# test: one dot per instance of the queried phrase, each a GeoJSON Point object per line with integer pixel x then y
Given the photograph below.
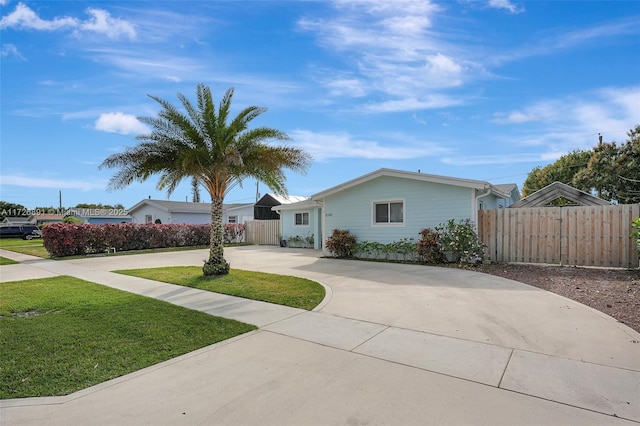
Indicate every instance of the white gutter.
{"type": "Point", "coordinates": [475, 207]}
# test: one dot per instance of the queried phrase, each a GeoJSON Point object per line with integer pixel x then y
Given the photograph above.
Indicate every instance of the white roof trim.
{"type": "Point", "coordinates": [300, 205]}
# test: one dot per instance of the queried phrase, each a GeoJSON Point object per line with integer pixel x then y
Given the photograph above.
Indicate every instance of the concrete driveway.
{"type": "Point", "coordinates": [391, 344]}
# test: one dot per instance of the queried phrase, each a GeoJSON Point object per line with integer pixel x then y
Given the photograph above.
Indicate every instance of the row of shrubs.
{"type": "Point", "coordinates": [448, 242]}
{"type": "Point", "coordinates": [298, 242]}
{"type": "Point", "coordinates": [62, 239]}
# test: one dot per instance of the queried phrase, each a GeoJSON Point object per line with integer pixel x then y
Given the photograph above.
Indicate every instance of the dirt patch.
{"type": "Point", "coordinates": [616, 292]}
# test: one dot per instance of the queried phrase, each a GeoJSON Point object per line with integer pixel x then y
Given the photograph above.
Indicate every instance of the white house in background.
{"type": "Point", "coordinates": [389, 205]}
{"type": "Point", "coordinates": [237, 213]}
{"type": "Point", "coordinates": [18, 220]}
{"type": "Point", "coordinates": [162, 211]}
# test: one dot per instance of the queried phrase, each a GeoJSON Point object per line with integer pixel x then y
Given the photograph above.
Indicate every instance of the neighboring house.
{"type": "Point", "coordinates": [160, 211]}
{"type": "Point", "coordinates": [48, 218]}
{"type": "Point", "coordinates": [98, 219]}
{"type": "Point", "coordinates": [557, 190]}
{"type": "Point", "coordinates": [18, 220]}
{"type": "Point", "coordinates": [264, 207]}
{"type": "Point", "coordinates": [237, 213]}
{"type": "Point", "coordinates": [388, 205]}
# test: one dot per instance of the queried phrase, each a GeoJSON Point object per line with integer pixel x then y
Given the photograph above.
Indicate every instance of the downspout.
{"type": "Point", "coordinates": [475, 204]}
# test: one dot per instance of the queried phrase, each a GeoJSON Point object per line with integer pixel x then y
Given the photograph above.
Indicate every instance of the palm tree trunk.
{"type": "Point", "coordinates": [216, 264]}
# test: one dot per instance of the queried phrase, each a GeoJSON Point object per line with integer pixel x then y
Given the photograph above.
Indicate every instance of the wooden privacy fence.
{"type": "Point", "coordinates": [265, 232]}
{"type": "Point", "coordinates": [580, 236]}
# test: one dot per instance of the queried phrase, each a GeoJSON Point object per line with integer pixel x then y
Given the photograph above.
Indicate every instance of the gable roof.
{"type": "Point", "coordinates": [175, 206]}
{"type": "Point", "coordinates": [17, 220]}
{"type": "Point", "coordinates": [549, 193]}
{"type": "Point", "coordinates": [269, 200]}
{"type": "Point", "coordinates": [424, 177]}
{"type": "Point", "coordinates": [236, 206]}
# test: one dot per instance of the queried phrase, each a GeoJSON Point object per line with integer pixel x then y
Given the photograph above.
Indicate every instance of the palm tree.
{"type": "Point", "coordinates": [206, 146]}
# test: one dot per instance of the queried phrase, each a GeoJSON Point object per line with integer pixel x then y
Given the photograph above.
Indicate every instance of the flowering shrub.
{"type": "Point", "coordinates": [233, 232]}
{"type": "Point", "coordinates": [341, 243]}
{"type": "Point", "coordinates": [61, 239]}
{"type": "Point", "coordinates": [459, 241]}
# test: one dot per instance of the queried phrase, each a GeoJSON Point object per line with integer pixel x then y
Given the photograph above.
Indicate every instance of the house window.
{"type": "Point", "coordinates": [301, 219]}
{"type": "Point", "coordinates": [232, 219]}
{"type": "Point", "coordinates": [148, 218]}
{"type": "Point", "coordinates": [388, 212]}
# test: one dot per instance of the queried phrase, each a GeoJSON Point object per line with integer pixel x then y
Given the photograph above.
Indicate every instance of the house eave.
{"type": "Point", "coordinates": [425, 177]}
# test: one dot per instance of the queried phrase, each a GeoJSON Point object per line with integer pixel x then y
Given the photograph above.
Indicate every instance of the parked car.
{"type": "Point", "coordinates": [26, 232]}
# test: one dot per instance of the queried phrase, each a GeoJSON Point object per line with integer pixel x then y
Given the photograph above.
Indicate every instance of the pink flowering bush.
{"type": "Point", "coordinates": [233, 232]}
{"type": "Point", "coordinates": [62, 239]}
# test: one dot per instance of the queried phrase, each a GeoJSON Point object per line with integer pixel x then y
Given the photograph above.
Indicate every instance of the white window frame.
{"type": "Point", "coordinates": [232, 219]}
{"type": "Point", "coordinates": [388, 202]}
{"type": "Point", "coordinates": [148, 218]}
{"type": "Point", "coordinates": [302, 213]}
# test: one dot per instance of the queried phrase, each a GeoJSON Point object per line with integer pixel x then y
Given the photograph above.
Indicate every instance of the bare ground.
{"type": "Point", "coordinates": [616, 292]}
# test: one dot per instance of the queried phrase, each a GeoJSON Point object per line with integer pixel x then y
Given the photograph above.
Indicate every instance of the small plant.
{"type": "Point", "coordinates": [309, 240]}
{"type": "Point", "coordinates": [459, 242]}
{"type": "Point", "coordinates": [341, 243]}
{"type": "Point", "coordinates": [295, 241]}
{"type": "Point", "coordinates": [428, 247]}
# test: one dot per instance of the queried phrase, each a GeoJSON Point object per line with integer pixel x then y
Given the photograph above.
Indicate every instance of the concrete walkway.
{"type": "Point", "coordinates": [391, 344]}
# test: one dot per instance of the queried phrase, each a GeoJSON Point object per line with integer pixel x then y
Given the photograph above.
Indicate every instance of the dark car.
{"type": "Point", "coordinates": [26, 232]}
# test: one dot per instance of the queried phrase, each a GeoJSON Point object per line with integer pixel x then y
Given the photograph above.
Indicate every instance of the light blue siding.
{"type": "Point", "coordinates": [102, 220]}
{"type": "Point", "coordinates": [289, 229]}
{"type": "Point", "coordinates": [191, 218]}
{"type": "Point", "coordinates": [492, 202]}
{"type": "Point", "coordinates": [426, 205]}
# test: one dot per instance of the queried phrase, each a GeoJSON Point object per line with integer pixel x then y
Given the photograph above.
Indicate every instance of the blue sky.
{"type": "Point", "coordinates": [483, 90]}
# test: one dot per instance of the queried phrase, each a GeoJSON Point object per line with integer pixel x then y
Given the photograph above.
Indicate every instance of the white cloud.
{"type": "Point", "coordinates": [118, 122]}
{"type": "Point", "coordinates": [11, 50]}
{"type": "Point", "coordinates": [413, 104]}
{"type": "Point", "coordinates": [24, 18]}
{"type": "Point", "coordinates": [346, 87]}
{"type": "Point", "coordinates": [607, 108]}
{"type": "Point", "coordinates": [395, 52]}
{"type": "Point", "coordinates": [30, 182]}
{"type": "Point", "coordinates": [558, 126]}
{"type": "Point", "coordinates": [100, 22]}
{"type": "Point", "coordinates": [476, 160]}
{"type": "Point", "coordinates": [324, 146]}
{"type": "Point", "coordinates": [506, 5]}
{"type": "Point", "coordinates": [4, 2]}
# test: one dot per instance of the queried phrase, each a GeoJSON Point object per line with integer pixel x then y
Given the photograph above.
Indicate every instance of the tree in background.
{"type": "Point", "coordinates": [195, 190]}
{"type": "Point", "coordinates": [613, 171]}
{"type": "Point", "coordinates": [609, 170]}
{"type": "Point", "coordinates": [98, 206]}
{"type": "Point", "coordinates": [562, 170]}
{"type": "Point", "coordinates": [12, 210]}
{"type": "Point", "coordinates": [207, 145]}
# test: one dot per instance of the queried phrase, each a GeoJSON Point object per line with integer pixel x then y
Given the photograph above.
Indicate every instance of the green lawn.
{"type": "Point", "coordinates": [281, 289]}
{"type": "Point", "coordinates": [32, 247]}
{"type": "Point", "coordinates": [5, 261]}
{"type": "Point", "coordinates": [62, 334]}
